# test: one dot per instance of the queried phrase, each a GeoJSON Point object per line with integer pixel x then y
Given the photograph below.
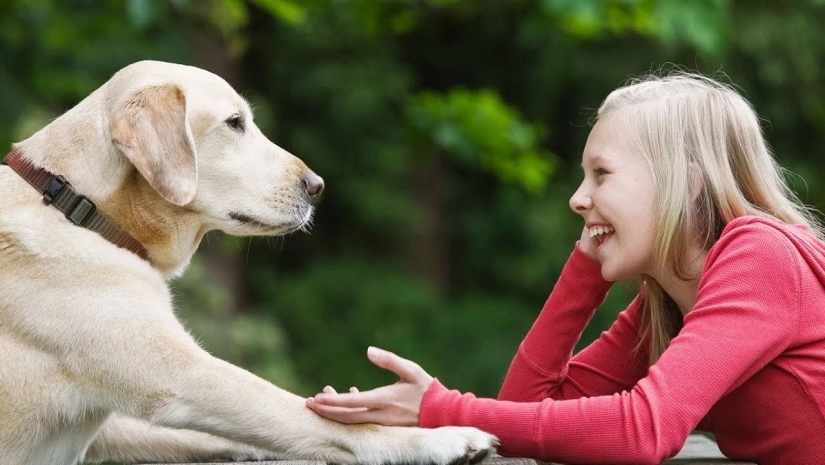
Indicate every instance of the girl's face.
{"type": "Point", "coordinates": [616, 200]}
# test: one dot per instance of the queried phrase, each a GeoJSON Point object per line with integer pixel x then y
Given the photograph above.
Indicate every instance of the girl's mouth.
{"type": "Point", "coordinates": [601, 233]}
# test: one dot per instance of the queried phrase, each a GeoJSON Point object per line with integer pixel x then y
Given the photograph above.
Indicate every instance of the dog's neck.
{"type": "Point", "coordinates": [78, 152]}
{"type": "Point", "coordinates": [171, 234]}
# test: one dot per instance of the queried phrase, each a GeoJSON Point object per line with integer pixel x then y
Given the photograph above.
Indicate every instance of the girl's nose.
{"type": "Point", "coordinates": [580, 202]}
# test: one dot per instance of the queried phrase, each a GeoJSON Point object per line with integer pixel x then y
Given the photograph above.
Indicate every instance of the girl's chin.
{"type": "Point", "coordinates": [608, 277]}
{"type": "Point", "coordinates": [612, 275]}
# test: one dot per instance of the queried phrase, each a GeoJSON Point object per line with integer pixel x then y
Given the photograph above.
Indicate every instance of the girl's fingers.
{"type": "Point", "coordinates": [330, 390]}
{"type": "Point", "coordinates": [342, 414]}
{"type": "Point", "coordinates": [375, 398]}
{"type": "Point", "coordinates": [407, 370]}
{"type": "Point", "coordinates": [346, 400]}
{"type": "Point", "coordinates": [358, 415]}
{"type": "Point", "coordinates": [353, 390]}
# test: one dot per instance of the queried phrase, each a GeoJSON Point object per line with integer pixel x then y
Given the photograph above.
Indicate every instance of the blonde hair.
{"type": "Point", "coordinates": [710, 164]}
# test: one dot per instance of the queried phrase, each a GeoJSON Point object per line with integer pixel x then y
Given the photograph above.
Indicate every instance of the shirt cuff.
{"type": "Point", "coordinates": [435, 406]}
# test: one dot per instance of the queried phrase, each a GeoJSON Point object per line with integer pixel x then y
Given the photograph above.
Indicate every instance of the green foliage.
{"type": "Point", "coordinates": [703, 24]}
{"type": "Point", "coordinates": [328, 305]}
{"type": "Point", "coordinates": [287, 11]}
{"type": "Point", "coordinates": [54, 53]}
{"type": "Point", "coordinates": [479, 128]}
{"type": "Point", "coordinates": [451, 126]}
{"type": "Point", "coordinates": [253, 340]}
{"type": "Point", "coordinates": [591, 18]}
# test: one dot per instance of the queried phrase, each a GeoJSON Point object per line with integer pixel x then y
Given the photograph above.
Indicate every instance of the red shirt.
{"type": "Point", "coordinates": [748, 365]}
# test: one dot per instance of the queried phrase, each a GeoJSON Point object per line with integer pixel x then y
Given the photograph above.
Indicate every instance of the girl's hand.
{"type": "Point", "coordinates": [394, 405]}
{"type": "Point", "coordinates": [587, 244]}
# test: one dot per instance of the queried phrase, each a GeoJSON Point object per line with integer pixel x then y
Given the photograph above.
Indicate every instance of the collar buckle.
{"type": "Point", "coordinates": [53, 188]}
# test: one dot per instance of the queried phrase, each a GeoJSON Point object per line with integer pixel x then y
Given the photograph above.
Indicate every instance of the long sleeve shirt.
{"type": "Point", "coordinates": [748, 364]}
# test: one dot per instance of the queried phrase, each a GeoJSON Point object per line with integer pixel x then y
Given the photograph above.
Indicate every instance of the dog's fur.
{"type": "Point", "coordinates": [93, 363]}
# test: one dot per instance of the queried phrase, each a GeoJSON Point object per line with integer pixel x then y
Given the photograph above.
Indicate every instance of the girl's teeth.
{"type": "Point", "coordinates": [598, 231]}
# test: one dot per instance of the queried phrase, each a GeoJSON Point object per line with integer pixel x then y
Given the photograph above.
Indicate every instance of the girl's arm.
{"type": "Point", "coordinates": [542, 368]}
{"type": "Point", "coordinates": [746, 314]}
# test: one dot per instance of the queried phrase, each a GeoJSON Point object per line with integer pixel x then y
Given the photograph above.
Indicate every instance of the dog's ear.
{"type": "Point", "coordinates": [151, 129]}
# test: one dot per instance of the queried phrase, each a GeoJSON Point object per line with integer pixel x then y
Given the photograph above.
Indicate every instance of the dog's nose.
{"type": "Point", "coordinates": [313, 183]}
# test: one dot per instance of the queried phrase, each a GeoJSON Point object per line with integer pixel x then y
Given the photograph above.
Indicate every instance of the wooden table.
{"type": "Point", "coordinates": [698, 450]}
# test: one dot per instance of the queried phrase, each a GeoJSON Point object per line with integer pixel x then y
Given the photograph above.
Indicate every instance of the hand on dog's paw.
{"type": "Point", "coordinates": [461, 445]}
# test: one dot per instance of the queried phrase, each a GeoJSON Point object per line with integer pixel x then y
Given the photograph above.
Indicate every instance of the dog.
{"type": "Point", "coordinates": [98, 210]}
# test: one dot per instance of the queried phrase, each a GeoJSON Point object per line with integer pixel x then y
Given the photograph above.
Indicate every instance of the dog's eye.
{"type": "Point", "coordinates": [235, 122]}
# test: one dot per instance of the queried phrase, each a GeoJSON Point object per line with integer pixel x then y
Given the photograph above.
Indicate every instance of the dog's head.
{"type": "Point", "coordinates": [193, 139]}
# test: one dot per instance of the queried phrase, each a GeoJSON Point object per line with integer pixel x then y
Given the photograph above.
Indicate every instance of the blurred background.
{"type": "Point", "coordinates": [449, 133]}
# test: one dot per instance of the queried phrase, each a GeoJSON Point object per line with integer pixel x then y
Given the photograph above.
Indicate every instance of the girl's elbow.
{"type": "Point", "coordinates": [656, 453]}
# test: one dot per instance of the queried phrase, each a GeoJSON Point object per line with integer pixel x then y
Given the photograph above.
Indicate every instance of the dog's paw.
{"type": "Point", "coordinates": [454, 445]}
{"type": "Point", "coordinates": [396, 445]}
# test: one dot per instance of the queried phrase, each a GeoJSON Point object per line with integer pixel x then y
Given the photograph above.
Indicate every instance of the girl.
{"type": "Point", "coordinates": [727, 333]}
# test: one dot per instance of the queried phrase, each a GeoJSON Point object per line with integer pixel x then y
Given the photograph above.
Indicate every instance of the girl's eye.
{"type": "Point", "coordinates": [599, 171]}
{"type": "Point", "coordinates": [235, 122]}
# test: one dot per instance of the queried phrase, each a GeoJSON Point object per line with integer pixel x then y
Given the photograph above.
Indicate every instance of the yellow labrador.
{"type": "Point", "coordinates": [93, 363]}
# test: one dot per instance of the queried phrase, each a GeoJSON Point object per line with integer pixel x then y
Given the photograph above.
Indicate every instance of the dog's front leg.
{"type": "Point", "coordinates": [206, 394]}
{"type": "Point", "coordinates": [130, 440]}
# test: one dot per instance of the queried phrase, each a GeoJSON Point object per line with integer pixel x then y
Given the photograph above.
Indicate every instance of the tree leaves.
{"type": "Point", "coordinates": [367, 93]}
{"type": "Point", "coordinates": [478, 129]}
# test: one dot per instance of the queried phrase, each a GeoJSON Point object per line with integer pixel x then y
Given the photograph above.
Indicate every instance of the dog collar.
{"type": "Point", "coordinates": [77, 207]}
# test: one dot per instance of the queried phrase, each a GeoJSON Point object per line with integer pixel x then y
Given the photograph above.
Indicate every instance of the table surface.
{"type": "Point", "coordinates": [698, 450]}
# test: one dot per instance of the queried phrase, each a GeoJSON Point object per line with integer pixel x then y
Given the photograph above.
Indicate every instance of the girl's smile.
{"type": "Point", "coordinates": [600, 233]}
